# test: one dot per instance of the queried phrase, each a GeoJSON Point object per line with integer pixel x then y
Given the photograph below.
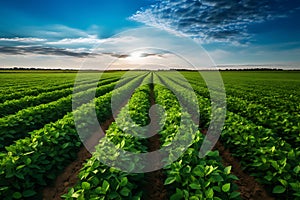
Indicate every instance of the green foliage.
{"type": "Point", "coordinates": [191, 177]}
{"type": "Point", "coordinates": [100, 181]}
{"type": "Point", "coordinates": [34, 161]}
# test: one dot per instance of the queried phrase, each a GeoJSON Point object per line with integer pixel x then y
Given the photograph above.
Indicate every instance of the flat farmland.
{"type": "Point", "coordinates": [46, 140]}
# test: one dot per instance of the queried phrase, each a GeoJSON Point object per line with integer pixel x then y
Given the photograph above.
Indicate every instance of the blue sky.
{"type": "Point", "coordinates": [63, 33]}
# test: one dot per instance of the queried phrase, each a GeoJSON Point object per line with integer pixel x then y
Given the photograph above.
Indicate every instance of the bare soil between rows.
{"type": "Point", "coordinates": [249, 188]}
{"type": "Point", "coordinates": [69, 177]}
{"type": "Point", "coordinates": [154, 181]}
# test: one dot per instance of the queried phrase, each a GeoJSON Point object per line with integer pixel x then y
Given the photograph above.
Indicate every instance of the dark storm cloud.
{"type": "Point", "coordinates": [17, 50]}
{"type": "Point", "coordinates": [214, 20]}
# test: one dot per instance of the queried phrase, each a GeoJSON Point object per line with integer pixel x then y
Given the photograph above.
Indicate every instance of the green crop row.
{"type": "Point", "coordinates": [12, 106]}
{"type": "Point", "coordinates": [271, 160]}
{"type": "Point", "coordinates": [272, 94]}
{"type": "Point", "coordinates": [262, 154]}
{"type": "Point", "coordinates": [13, 127]}
{"type": "Point", "coordinates": [49, 86]}
{"type": "Point", "coordinates": [33, 162]}
{"type": "Point", "coordinates": [191, 177]}
{"type": "Point", "coordinates": [283, 124]}
{"type": "Point", "coordinates": [28, 88]}
{"type": "Point", "coordinates": [32, 92]}
{"type": "Point", "coordinates": [98, 181]}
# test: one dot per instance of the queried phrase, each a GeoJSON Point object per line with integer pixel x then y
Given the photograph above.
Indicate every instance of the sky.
{"type": "Point", "coordinates": [96, 33]}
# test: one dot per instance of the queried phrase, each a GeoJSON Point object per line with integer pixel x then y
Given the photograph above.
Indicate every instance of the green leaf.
{"type": "Point", "coordinates": [169, 180]}
{"type": "Point", "coordinates": [99, 190]}
{"type": "Point", "coordinates": [20, 167]}
{"type": "Point", "coordinates": [75, 195]}
{"type": "Point", "coordinates": [295, 186]}
{"type": "Point", "coordinates": [113, 195]}
{"type": "Point", "coordinates": [213, 153]}
{"type": "Point", "coordinates": [28, 161]}
{"type": "Point", "coordinates": [178, 195]}
{"type": "Point", "coordinates": [227, 170]}
{"type": "Point", "coordinates": [17, 195]}
{"type": "Point", "coordinates": [4, 188]}
{"type": "Point", "coordinates": [226, 187]}
{"type": "Point", "coordinates": [125, 191]}
{"type": "Point", "coordinates": [105, 185]}
{"type": "Point", "coordinates": [124, 181]}
{"type": "Point", "coordinates": [20, 176]}
{"type": "Point", "coordinates": [283, 182]}
{"type": "Point", "coordinates": [65, 145]}
{"type": "Point", "coordinates": [85, 185]}
{"type": "Point", "coordinates": [269, 177]}
{"type": "Point", "coordinates": [209, 193]}
{"type": "Point", "coordinates": [231, 176]}
{"type": "Point", "coordinates": [217, 188]}
{"type": "Point", "coordinates": [198, 171]}
{"type": "Point", "coordinates": [297, 169]}
{"type": "Point", "coordinates": [278, 189]}
{"type": "Point", "coordinates": [234, 195]}
{"type": "Point", "coordinates": [29, 193]}
{"type": "Point", "coordinates": [195, 186]}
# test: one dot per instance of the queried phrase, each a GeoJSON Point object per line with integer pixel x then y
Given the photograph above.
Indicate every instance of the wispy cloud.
{"type": "Point", "coordinates": [22, 50]}
{"type": "Point", "coordinates": [90, 40]}
{"type": "Point", "coordinates": [20, 39]}
{"type": "Point", "coordinates": [54, 32]}
{"type": "Point", "coordinates": [116, 55]}
{"type": "Point", "coordinates": [151, 54]}
{"type": "Point", "coordinates": [212, 20]}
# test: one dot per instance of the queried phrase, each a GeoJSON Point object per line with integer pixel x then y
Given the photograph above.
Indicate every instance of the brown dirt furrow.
{"type": "Point", "coordinates": [69, 177]}
{"type": "Point", "coordinates": [249, 188]}
{"type": "Point", "coordinates": [154, 181]}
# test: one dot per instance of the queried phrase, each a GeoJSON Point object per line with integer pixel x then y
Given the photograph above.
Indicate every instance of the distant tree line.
{"type": "Point", "coordinates": [172, 69]}
{"type": "Point", "coordinates": [252, 69]}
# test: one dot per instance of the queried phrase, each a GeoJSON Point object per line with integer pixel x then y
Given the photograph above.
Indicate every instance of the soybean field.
{"type": "Point", "coordinates": [43, 156]}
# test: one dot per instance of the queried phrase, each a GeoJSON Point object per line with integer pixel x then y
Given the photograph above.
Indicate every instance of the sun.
{"type": "Point", "coordinates": [136, 55]}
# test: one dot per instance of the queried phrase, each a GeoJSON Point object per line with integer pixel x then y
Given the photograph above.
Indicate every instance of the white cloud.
{"type": "Point", "coordinates": [156, 47]}
{"type": "Point", "coordinates": [210, 21]}
{"type": "Point", "coordinates": [56, 31]}
{"type": "Point", "coordinates": [20, 39]}
{"type": "Point", "coordinates": [76, 41]}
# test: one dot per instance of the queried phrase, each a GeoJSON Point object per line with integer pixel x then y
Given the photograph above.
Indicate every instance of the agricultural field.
{"type": "Point", "coordinates": [42, 156]}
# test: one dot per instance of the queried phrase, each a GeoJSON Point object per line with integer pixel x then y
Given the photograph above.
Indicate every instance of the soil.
{"type": "Point", "coordinates": [69, 177]}
{"type": "Point", "coordinates": [249, 188]}
{"type": "Point", "coordinates": [154, 181]}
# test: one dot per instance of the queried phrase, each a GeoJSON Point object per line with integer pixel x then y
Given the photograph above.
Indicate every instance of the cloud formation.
{"type": "Point", "coordinates": [22, 50]}
{"type": "Point", "coordinates": [116, 55]}
{"type": "Point", "coordinates": [24, 39]}
{"type": "Point", "coordinates": [213, 20]}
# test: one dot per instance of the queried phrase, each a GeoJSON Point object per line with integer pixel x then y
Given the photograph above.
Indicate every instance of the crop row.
{"type": "Point", "coordinates": [261, 153]}
{"type": "Point", "coordinates": [281, 96]}
{"type": "Point", "coordinates": [35, 91]}
{"type": "Point", "coordinates": [51, 86]}
{"type": "Point", "coordinates": [192, 177]}
{"type": "Point", "coordinates": [99, 181]}
{"type": "Point", "coordinates": [13, 127]}
{"type": "Point", "coordinates": [31, 163]}
{"type": "Point", "coordinates": [283, 124]}
{"type": "Point", "coordinates": [267, 98]}
{"type": "Point", "coordinates": [18, 125]}
{"type": "Point", "coordinates": [12, 106]}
